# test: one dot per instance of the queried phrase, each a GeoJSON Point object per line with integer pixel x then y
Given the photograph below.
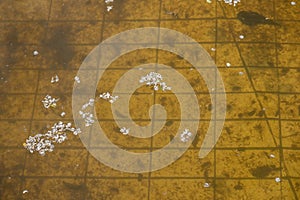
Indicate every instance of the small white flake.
{"type": "Point", "coordinates": [206, 185]}
{"type": "Point", "coordinates": [228, 64]}
{"type": "Point", "coordinates": [76, 78]}
{"type": "Point", "coordinates": [185, 135]}
{"type": "Point", "coordinates": [213, 49]}
{"type": "Point", "coordinates": [155, 79]}
{"type": "Point", "coordinates": [25, 191]}
{"type": "Point", "coordinates": [277, 179]}
{"type": "Point", "coordinates": [124, 130]}
{"type": "Point", "coordinates": [54, 79]}
{"type": "Point", "coordinates": [241, 73]}
{"type": "Point", "coordinates": [293, 3]}
{"type": "Point", "coordinates": [108, 8]}
{"type": "Point", "coordinates": [241, 37]}
{"type": "Point", "coordinates": [35, 53]}
{"type": "Point", "coordinates": [109, 1]}
{"type": "Point", "coordinates": [272, 156]}
{"type": "Point", "coordinates": [62, 114]}
{"type": "Point", "coordinates": [232, 2]}
{"type": "Point", "coordinates": [208, 1]}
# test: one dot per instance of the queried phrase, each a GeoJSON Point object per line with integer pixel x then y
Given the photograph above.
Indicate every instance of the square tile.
{"type": "Point", "coordinates": [290, 134]}
{"type": "Point", "coordinates": [247, 164]}
{"type": "Point", "coordinates": [16, 106]}
{"type": "Point", "coordinates": [54, 188]}
{"type": "Point", "coordinates": [242, 106]}
{"type": "Point", "coordinates": [285, 11]}
{"type": "Point", "coordinates": [288, 55]}
{"type": "Point", "coordinates": [179, 189]}
{"type": "Point", "coordinates": [13, 133]}
{"type": "Point", "coordinates": [235, 80]}
{"type": "Point", "coordinates": [290, 106]}
{"type": "Point", "coordinates": [66, 84]}
{"type": "Point", "coordinates": [11, 187]}
{"type": "Point", "coordinates": [199, 30]}
{"type": "Point", "coordinates": [117, 188]}
{"type": "Point", "coordinates": [19, 81]}
{"type": "Point", "coordinates": [291, 160]}
{"type": "Point", "coordinates": [74, 32]}
{"type": "Point", "coordinates": [134, 10]}
{"type": "Point", "coordinates": [111, 132]}
{"type": "Point", "coordinates": [112, 28]}
{"type": "Point", "coordinates": [173, 60]}
{"type": "Point", "coordinates": [265, 8]}
{"type": "Point", "coordinates": [13, 162]}
{"type": "Point", "coordinates": [287, 191]}
{"type": "Point", "coordinates": [100, 170]}
{"type": "Point", "coordinates": [249, 134]}
{"type": "Point", "coordinates": [228, 53]}
{"type": "Point", "coordinates": [258, 54]}
{"type": "Point", "coordinates": [60, 162]}
{"type": "Point", "coordinates": [259, 34]}
{"type": "Point", "coordinates": [264, 79]}
{"type": "Point", "coordinates": [22, 10]}
{"type": "Point", "coordinates": [75, 10]}
{"type": "Point", "coordinates": [288, 80]}
{"type": "Point", "coordinates": [16, 33]}
{"type": "Point", "coordinates": [64, 104]}
{"type": "Point", "coordinates": [255, 189]}
{"type": "Point", "coordinates": [270, 105]}
{"type": "Point", "coordinates": [288, 32]}
{"type": "Point", "coordinates": [188, 165]}
{"type": "Point", "coordinates": [187, 10]}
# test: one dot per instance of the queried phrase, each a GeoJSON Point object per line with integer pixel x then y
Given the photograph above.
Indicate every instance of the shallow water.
{"type": "Point", "coordinates": [260, 139]}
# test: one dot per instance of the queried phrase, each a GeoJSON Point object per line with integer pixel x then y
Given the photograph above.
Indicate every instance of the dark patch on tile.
{"type": "Point", "coordinates": [239, 186]}
{"type": "Point", "coordinates": [169, 122]}
{"type": "Point", "coordinates": [262, 171]}
{"type": "Point", "coordinates": [56, 49]}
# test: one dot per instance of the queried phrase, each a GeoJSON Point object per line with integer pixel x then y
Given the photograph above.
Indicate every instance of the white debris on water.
{"type": "Point", "coordinates": [155, 79]}
{"type": "Point", "coordinates": [185, 135]}
{"type": "Point", "coordinates": [125, 130]}
{"type": "Point", "coordinates": [107, 96]}
{"type": "Point", "coordinates": [232, 2]}
{"type": "Point", "coordinates": [87, 116]}
{"type": "Point", "coordinates": [35, 53]}
{"type": "Point", "coordinates": [43, 143]}
{"type": "Point", "coordinates": [49, 101]}
{"type": "Point", "coordinates": [54, 79]}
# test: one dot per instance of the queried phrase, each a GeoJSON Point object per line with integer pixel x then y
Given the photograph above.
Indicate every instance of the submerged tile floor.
{"type": "Point", "coordinates": [260, 140]}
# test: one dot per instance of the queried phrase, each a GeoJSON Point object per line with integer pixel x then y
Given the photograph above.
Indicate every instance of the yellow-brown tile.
{"type": "Point", "coordinates": [75, 32]}
{"type": "Point", "coordinates": [11, 187]}
{"type": "Point", "coordinates": [187, 10]}
{"type": "Point", "coordinates": [249, 134]}
{"type": "Point", "coordinates": [288, 55]}
{"type": "Point", "coordinates": [270, 105]}
{"type": "Point", "coordinates": [55, 188]}
{"type": "Point", "coordinates": [188, 165]}
{"type": "Point", "coordinates": [16, 106]}
{"type": "Point", "coordinates": [117, 189]}
{"type": "Point", "coordinates": [227, 53]}
{"type": "Point", "coordinates": [15, 33]}
{"type": "Point", "coordinates": [241, 163]}
{"type": "Point", "coordinates": [60, 162]}
{"type": "Point", "coordinates": [264, 79]}
{"type": "Point", "coordinates": [289, 106]}
{"type": "Point", "coordinates": [180, 189]}
{"type": "Point", "coordinates": [291, 163]}
{"type": "Point", "coordinates": [253, 189]}
{"type": "Point", "coordinates": [19, 81]}
{"type": "Point", "coordinates": [289, 134]}
{"type": "Point", "coordinates": [285, 11]}
{"type": "Point", "coordinates": [199, 30]}
{"type": "Point", "coordinates": [289, 79]}
{"type": "Point", "coordinates": [22, 10]}
{"type": "Point", "coordinates": [134, 10]}
{"type": "Point", "coordinates": [287, 190]}
{"type": "Point", "coordinates": [76, 10]}
{"type": "Point", "coordinates": [13, 133]}
{"type": "Point", "coordinates": [12, 162]}
{"type": "Point", "coordinates": [288, 32]}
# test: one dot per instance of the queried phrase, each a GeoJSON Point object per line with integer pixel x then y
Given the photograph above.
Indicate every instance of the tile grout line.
{"type": "Point", "coordinates": [33, 110]}
{"type": "Point", "coordinates": [281, 154]}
